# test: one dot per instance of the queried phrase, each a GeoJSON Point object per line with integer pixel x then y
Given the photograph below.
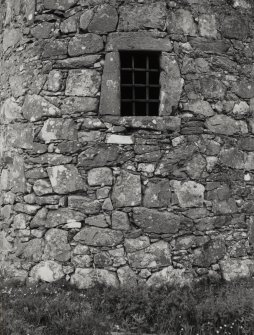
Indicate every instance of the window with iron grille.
{"type": "Point", "coordinates": [140, 83]}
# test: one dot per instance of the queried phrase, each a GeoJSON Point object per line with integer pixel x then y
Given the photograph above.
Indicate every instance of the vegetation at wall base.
{"type": "Point", "coordinates": [53, 309]}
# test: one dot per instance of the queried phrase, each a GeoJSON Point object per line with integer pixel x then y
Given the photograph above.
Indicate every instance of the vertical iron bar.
{"type": "Point", "coordinates": [133, 87]}
{"type": "Point", "coordinates": [147, 85]}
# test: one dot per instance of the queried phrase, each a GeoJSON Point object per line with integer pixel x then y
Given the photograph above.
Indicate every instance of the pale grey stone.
{"type": "Point", "coordinates": [223, 124]}
{"type": "Point", "coordinates": [85, 44]}
{"type": "Point", "coordinates": [69, 25]}
{"type": "Point", "coordinates": [200, 107]}
{"type": "Point", "coordinates": [63, 216]}
{"type": "Point", "coordinates": [136, 244]}
{"type": "Point", "coordinates": [236, 268]}
{"type": "Point", "coordinates": [107, 205]}
{"type": "Point", "coordinates": [127, 190]}
{"type": "Point", "coordinates": [42, 187]}
{"type": "Point", "coordinates": [48, 271]}
{"type": "Point", "coordinates": [11, 37]}
{"type": "Point", "coordinates": [120, 221]}
{"type": "Point", "coordinates": [84, 82]}
{"type": "Point", "coordinates": [85, 19]}
{"type": "Point", "coordinates": [81, 261]}
{"type": "Point", "coordinates": [84, 204]}
{"type": "Point", "coordinates": [42, 30]}
{"type": "Point", "coordinates": [100, 177]}
{"type": "Point", "coordinates": [127, 277]}
{"type": "Point", "coordinates": [99, 237]}
{"type": "Point", "coordinates": [33, 250]}
{"type": "Point", "coordinates": [104, 20]}
{"type": "Point", "coordinates": [87, 278]}
{"type": "Point", "coordinates": [119, 139]}
{"type": "Point", "coordinates": [77, 62]}
{"type": "Point", "coordinates": [56, 245]}
{"type": "Point", "coordinates": [207, 25]}
{"type": "Point", "coordinates": [181, 22]}
{"type": "Point", "coordinates": [65, 179]}
{"type": "Point", "coordinates": [9, 111]}
{"type": "Point", "coordinates": [59, 4]}
{"type": "Point", "coordinates": [170, 276]}
{"type": "Point", "coordinates": [58, 129]}
{"type": "Point", "coordinates": [189, 193]}
{"type": "Point", "coordinates": [97, 221]}
{"type": "Point", "coordinates": [157, 194]}
{"type": "Point", "coordinates": [55, 80]}
{"type": "Point", "coordinates": [20, 221]}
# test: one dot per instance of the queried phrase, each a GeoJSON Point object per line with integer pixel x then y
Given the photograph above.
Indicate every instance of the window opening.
{"type": "Point", "coordinates": [140, 83]}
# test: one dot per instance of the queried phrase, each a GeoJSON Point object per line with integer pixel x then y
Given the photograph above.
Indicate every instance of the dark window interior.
{"type": "Point", "coordinates": [140, 83]}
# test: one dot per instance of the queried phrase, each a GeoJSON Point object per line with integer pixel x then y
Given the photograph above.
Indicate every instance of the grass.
{"type": "Point", "coordinates": [53, 309]}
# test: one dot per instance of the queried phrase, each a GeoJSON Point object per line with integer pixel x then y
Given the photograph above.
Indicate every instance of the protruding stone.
{"type": "Point", "coordinates": [119, 139]}
{"type": "Point", "coordinates": [189, 193]}
{"type": "Point", "coordinates": [65, 179]}
{"type": "Point", "coordinates": [87, 278]}
{"type": "Point", "coordinates": [127, 190]}
{"type": "Point", "coordinates": [236, 268]}
{"type": "Point", "coordinates": [235, 27]}
{"type": "Point", "coordinates": [100, 177]}
{"type": "Point", "coordinates": [55, 80]}
{"type": "Point", "coordinates": [181, 22]}
{"type": "Point", "coordinates": [35, 107]}
{"type": "Point", "coordinates": [85, 44]}
{"type": "Point", "coordinates": [207, 26]}
{"type": "Point", "coordinates": [83, 83]}
{"type": "Point", "coordinates": [153, 221]}
{"type": "Point", "coordinates": [48, 271]}
{"type": "Point", "coordinates": [104, 20]}
{"type": "Point", "coordinates": [9, 111]}
{"type": "Point", "coordinates": [170, 276]}
{"type": "Point", "coordinates": [58, 129]}
{"type": "Point", "coordinates": [99, 237]}
{"type": "Point", "coordinates": [42, 187]}
{"type": "Point", "coordinates": [57, 247]}
{"type": "Point", "coordinates": [223, 124]}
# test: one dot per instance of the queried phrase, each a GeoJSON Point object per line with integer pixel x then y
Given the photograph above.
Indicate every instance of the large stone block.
{"type": "Point", "coordinates": [48, 271]}
{"type": "Point", "coordinates": [56, 245]}
{"type": "Point", "coordinates": [62, 5]}
{"type": "Point", "coordinates": [104, 20]}
{"type": "Point", "coordinates": [155, 256]}
{"type": "Point", "coordinates": [127, 190]}
{"type": "Point", "coordinates": [235, 27]}
{"type": "Point", "coordinates": [87, 278]}
{"type": "Point", "coordinates": [140, 16]}
{"type": "Point", "coordinates": [42, 187]}
{"type": "Point", "coordinates": [223, 124]}
{"type": "Point", "coordinates": [98, 156]}
{"type": "Point", "coordinates": [11, 37]}
{"type": "Point", "coordinates": [211, 253]}
{"type": "Point", "coordinates": [210, 46]}
{"type": "Point", "coordinates": [189, 193]}
{"type": "Point", "coordinates": [62, 216]}
{"type": "Point", "coordinates": [85, 44]}
{"type": "Point", "coordinates": [181, 22]}
{"type": "Point", "coordinates": [9, 111]}
{"type": "Point", "coordinates": [84, 204]}
{"type": "Point", "coordinates": [100, 177]}
{"type": "Point", "coordinates": [170, 276]}
{"type": "Point", "coordinates": [35, 107]}
{"type": "Point", "coordinates": [157, 193]}
{"type": "Point", "coordinates": [83, 83]}
{"type": "Point", "coordinates": [55, 48]}
{"type": "Point", "coordinates": [212, 88]}
{"type": "Point", "coordinates": [58, 129]}
{"type": "Point", "coordinates": [207, 25]}
{"type": "Point", "coordinates": [65, 179]}
{"type": "Point", "coordinates": [244, 89]}
{"type": "Point", "coordinates": [33, 250]}
{"type": "Point", "coordinates": [153, 221]}
{"type": "Point", "coordinates": [99, 237]}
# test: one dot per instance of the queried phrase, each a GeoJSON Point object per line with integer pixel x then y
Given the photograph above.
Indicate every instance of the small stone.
{"type": "Point", "coordinates": [102, 193]}
{"type": "Point", "coordinates": [81, 261]}
{"type": "Point", "coordinates": [20, 221]}
{"type": "Point", "coordinates": [127, 190]}
{"type": "Point", "coordinates": [65, 179]}
{"type": "Point", "coordinates": [136, 244]}
{"type": "Point", "coordinates": [55, 80]}
{"type": "Point", "coordinates": [107, 205]}
{"type": "Point", "coordinates": [48, 271]}
{"type": "Point", "coordinates": [207, 25]}
{"type": "Point", "coordinates": [201, 107]}
{"type": "Point", "coordinates": [100, 177]}
{"type": "Point", "coordinates": [84, 204]}
{"type": "Point", "coordinates": [56, 245]}
{"type": "Point", "coordinates": [181, 22]}
{"type": "Point", "coordinates": [62, 5]}
{"type": "Point", "coordinates": [9, 111]}
{"type": "Point", "coordinates": [84, 82]}
{"type": "Point", "coordinates": [54, 49]}
{"type": "Point", "coordinates": [62, 216]}
{"type": "Point", "coordinates": [127, 277]}
{"type": "Point", "coordinates": [170, 276]}
{"type": "Point", "coordinates": [69, 25]}
{"type": "Point", "coordinates": [43, 30]}
{"type": "Point", "coordinates": [42, 187]}
{"type": "Point", "coordinates": [244, 89]}
{"type": "Point", "coordinates": [85, 19]}
{"type": "Point", "coordinates": [94, 236]}
{"type": "Point", "coordinates": [33, 250]}
{"type": "Point", "coordinates": [87, 278]}
{"type": "Point", "coordinates": [73, 225]}
{"type": "Point", "coordinates": [120, 221]}
{"type": "Point", "coordinates": [11, 37]}
{"type": "Point", "coordinates": [223, 124]}
{"type": "Point", "coordinates": [189, 194]}
{"type": "Point", "coordinates": [241, 109]}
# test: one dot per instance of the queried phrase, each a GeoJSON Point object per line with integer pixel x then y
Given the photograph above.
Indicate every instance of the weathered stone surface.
{"type": "Point", "coordinates": [83, 83]}
{"type": "Point", "coordinates": [77, 62]}
{"type": "Point", "coordinates": [84, 204]}
{"type": "Point", "coordinates": [153, 221]}
{"type": "Point", "coordinates": [55, 80]}
{"type": "Point", "coordinates": [210, 46]}
{"type": "Point", "coordinates": [33, 250]}
{"type": "Point", "coordinates": [235, 27]}
{"type": "Point", "coordinates": [127, 277]}
{"type": "Point", "coordinates": [104, 20]}
{"type": "Point", "coordinates": [139, 16]}
{"type": "Point", "coordinates": [85, 44]}
{"type": "Point", "coordinates": [137, 40]}
{"type": "Point", "coordinates": [17, 175]}
{"type": "Point", "coordinates": [207, 25]}
{"type": "Point", "coordinates": [246, 143]}
{"type": "Point", "coordinates": [233, 158]}
{"type": "Point", "coordinates": [50, 159]}
{"type": "Point", "coordinates": [157, 194]}
{"type": "Point", "coordinates": [79, 105]}
{"type": "Point", "coordinates": [212, 88]}
{"type": "Point", "coordinates": [196, 166]}
{"type": "Point", "coordinates": [136, 244]}
{"type": "Point", "coordinates": [87, 278]}
{"type": "Point", "coordinates": [42, 30]}
{"type": "Point", "coordinates": [81, 261]}
{"type": "Point", "coordinates": [62, 216]}
{"type": "Point", "coordinates": [241, 109]}
{"type": "Point", "coordinates": [65, 179]}
{"type": "Point", "coordinates": [99, 237]}
{"type": "Point", "coordinates": [236, 268]}
{"type": "Point", "coordinates": [69, 25]}
{"type": "Point", "coordinates": [20, 221]}
{"type": "Point", "coordinates": [20, 135]}
{"type": "Point", "coordinates": [56, 245]}
{"type": "Point", "coordinates": [127, 190]}
{"type": "Point", "coordinates": [11, 37]}
{"type": "Point", "coordinates": [55, 48]}
{"type": "Point", "coordinates": [119, 139]}
{"type": "Point", "coordinates": [200, 107]}
{"type": "Point", "coordinates": [98, 156]}
{"type": "Point", "coordinates": [223, 124]}
{"type": "Point", "coordinates": [48, 271]}
{"type": "Point", "coordinates": [171, 84]}
{"type": "Point", "coordinates": [100, 177]}
{"type": "Point", "coordinates": [42, 187]}
{"type": "Point", "coordinates": [181, 22]}
{"type": "Point", "coordinates": [155, 256]}
{"type": "Point", "coordinates": [170, 276]}
{"type": "Point", "coordinates": [58, 129]}
{"type": "Point", "coordinates": [189, 193]}
{"type": "Point", "coordinates": [86, 18]}
{"type": "Point", "coordinates": [244, 89]}
{"type": "Point", "coordinates": [97, 221]}
{"type": "Point", "coordinates": [9, 111]}
{"type": "Point", "coordinates": [35, 107]}
{"type": "Point", "coordinates": [211, 252]}
{"type": "Point", "coordinates": [59, 4]}
{"type": "Point", "coordinates": [120, 221]}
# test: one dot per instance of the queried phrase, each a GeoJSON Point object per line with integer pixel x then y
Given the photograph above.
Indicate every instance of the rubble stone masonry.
{"type": "Point", "coordinates": [89, 195]}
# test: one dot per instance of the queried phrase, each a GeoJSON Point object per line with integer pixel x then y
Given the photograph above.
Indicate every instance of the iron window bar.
{"type": "Point", "coordinates": [140, 87]}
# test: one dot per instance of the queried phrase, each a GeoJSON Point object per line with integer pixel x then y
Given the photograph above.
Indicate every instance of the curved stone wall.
{"type": "Point", "coordinates": [92, 196]}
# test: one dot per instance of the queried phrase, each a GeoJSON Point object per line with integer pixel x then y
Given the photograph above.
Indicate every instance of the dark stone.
{"type": "Point", "coordinates": [157, 193]}
{"type": "Point", "coordinates": [62, 5]}
{"type": "Point", "coordinates": [210, 46]}
{"type": "Point", "coordinates": [99, 237]}
{"type": "Point", "coordinates": [153, 221]}
{"type": "Point", "coordinates": [234, 27]}
{"type": "Point", "coordinates": [246, 143]}
{"type": "Point", "coordinates": [55, 48]}
{"type": "Point", "coordinates": [99, 155]}
{"type": "Point", "coordinates": [244, 89]}
{"type": "Point", "coordinates": [210, 253]}
{"type": "Point", "coordinates": [104, 20]}
{"type": "Point", "coordinates": [85, 44]}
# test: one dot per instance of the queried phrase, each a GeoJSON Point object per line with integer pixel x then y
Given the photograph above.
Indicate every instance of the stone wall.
{"type": "Point", "coordinates": [95, 196]}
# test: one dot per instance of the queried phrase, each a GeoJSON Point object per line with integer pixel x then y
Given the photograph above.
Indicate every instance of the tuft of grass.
{"type": "Point", "coordinates": [53, 309]}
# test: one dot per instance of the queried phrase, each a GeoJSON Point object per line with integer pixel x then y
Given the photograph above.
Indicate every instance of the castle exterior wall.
{"type": "Point", "coordinates": [89, 195]}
